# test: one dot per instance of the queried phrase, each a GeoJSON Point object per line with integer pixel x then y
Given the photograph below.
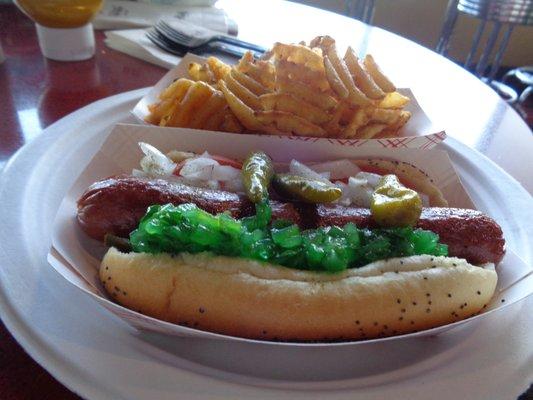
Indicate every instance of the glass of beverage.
{"type": "Point", "coordinates": [63, 27]}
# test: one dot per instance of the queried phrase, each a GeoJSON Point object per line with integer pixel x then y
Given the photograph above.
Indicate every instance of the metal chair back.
{"type": "Point", "coordinates": [504, 14]}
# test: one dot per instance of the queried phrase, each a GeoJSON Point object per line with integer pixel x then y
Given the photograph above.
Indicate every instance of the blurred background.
{"type": "Point", "coordinates": [491, 38]}
{"type": "Point", "coordinates": [422, 20]}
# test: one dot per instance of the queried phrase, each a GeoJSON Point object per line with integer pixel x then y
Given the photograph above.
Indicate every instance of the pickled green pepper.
{"type": "Point", "coordinates": [305, 189]}
{"type": "Point", "coordinates": [394, 205]}
{"type": "Point", "coordinates": [257, 172]}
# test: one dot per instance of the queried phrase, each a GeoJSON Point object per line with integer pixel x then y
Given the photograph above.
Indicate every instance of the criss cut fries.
{"type": "Point", "coordinates": [295, 89]}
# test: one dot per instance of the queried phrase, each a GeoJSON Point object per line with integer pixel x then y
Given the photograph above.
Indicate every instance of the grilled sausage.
{"type": "Point", "coordinates": [116, 205]}
{"type": "Point", "coordinates": [469, 234]}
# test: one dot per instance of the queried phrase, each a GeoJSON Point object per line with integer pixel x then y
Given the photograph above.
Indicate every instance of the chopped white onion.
{"type": "Point", "coordinates": [360, 192]}
{"type": "Point", "coordinates": [345, 197]}
{"type": "Point", "coordinates": [357, 192]}
{"type": "Point", "coordinates": [338, 169]}
{"type": "Point", "coordinates": [199, 168]}
{"type": "Point", "coordinates": [372, 179]}
{"type": "Point", "coordinates": [203, 171]}
{"type": "Point", "coordinates": [297, 168]}
{"type": "Point", "coordinates": [225, 173]}
{"type": "Point", "coordinates": [155, 163]}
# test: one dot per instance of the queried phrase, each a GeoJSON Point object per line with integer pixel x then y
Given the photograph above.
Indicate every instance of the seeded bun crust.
{"type": "Point", "coordinates": [262, 301]}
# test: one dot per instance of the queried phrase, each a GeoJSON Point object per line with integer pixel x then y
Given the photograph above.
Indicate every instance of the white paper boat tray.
{"type": "Point", "coordinates": [419, 132]}
{"type": "Point", "coordinates": [77, 257]}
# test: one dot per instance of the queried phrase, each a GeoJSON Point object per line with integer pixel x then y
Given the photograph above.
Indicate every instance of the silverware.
{"type": "Point", "coordinates": [192, 42]}
{"type": "Point", "coordinates": [163, 44]}
{"type": "Point", "coordinates": [163, 41]}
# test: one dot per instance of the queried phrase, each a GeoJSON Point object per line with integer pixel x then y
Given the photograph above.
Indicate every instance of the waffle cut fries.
{"type": "Point", "coordinates": [295, 89]}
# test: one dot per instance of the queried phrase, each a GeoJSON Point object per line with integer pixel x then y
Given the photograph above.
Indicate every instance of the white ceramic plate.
{"type": "Point", "coordinates": [100, 357]}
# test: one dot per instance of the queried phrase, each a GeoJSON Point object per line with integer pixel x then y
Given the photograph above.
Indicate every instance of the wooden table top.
{"type": "Point", "coordinates": [36, 92]}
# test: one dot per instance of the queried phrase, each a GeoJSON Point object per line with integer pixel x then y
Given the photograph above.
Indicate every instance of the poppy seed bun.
{"type": "Point", "coordinates": [263, 301]}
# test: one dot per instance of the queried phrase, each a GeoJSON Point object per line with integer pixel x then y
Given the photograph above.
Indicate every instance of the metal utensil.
{"type": "Point", "coordinates": [204, 37]}
{"type": "Point", "coordinates": [164, 42]}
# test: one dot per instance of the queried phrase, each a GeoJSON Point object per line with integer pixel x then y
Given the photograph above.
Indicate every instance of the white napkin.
{"type": "Point", "coordinates": [119, 14]}
{"type": "Point", "coordinates": [135, 43]}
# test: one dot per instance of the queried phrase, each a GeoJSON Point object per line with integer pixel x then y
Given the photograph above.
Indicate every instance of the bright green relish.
{"type": "Point", "coordinates": [187, 228]}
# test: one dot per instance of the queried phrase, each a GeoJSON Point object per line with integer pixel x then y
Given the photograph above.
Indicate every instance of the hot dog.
{"type": "Point", "coordinates": [116, 205]}
{"type": "Point", "coordinates": [293, 269]}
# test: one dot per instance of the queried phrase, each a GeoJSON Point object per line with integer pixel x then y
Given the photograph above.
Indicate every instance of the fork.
{"type": "Point", "coordinates": [192, 42]}
{"type": "Point", "coordinates": [161, 39]}
{"type": "Point", "coordinates": [163, 44]}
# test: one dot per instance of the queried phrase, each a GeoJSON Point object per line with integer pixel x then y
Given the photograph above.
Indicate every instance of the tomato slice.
{"type": "Point", "coordinates": [219, 159]}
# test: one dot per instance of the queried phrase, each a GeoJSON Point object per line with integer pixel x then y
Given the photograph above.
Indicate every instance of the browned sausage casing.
{"type": "Point", "coordinates": [116, 205]}
{"type": "Point", "coordinates": [469, 234]}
